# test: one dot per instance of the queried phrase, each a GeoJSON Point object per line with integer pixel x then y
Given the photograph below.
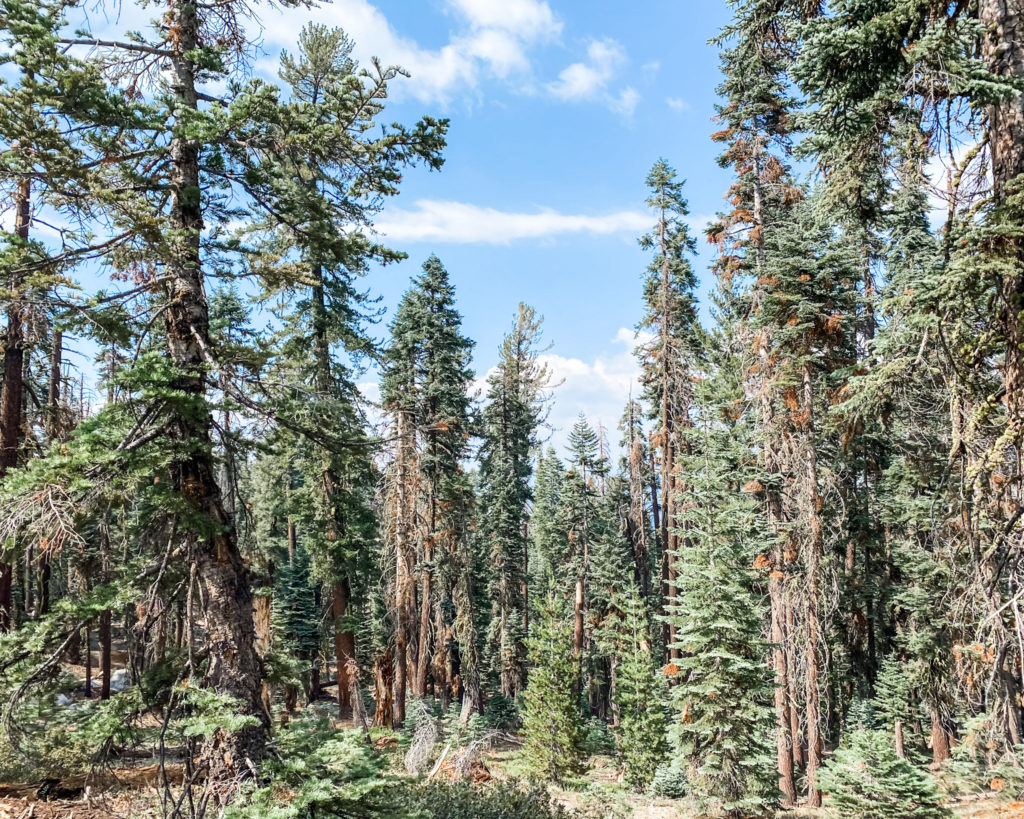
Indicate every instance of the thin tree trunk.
{"type": "Point", "coordinates": [404, 561]}
{"type": "Point", "coordinates": [105, 646]}
{"type": "Point", "coordinates": [812, 559]}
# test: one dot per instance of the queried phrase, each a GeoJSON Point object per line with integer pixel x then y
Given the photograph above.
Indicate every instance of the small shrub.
{"type": "Point", "coordinates": [502, 714]}
{"type": "Point", "coordinates": [669, 780]}
{"type": "Point", "coordinates": [316, 771]}
{"type": "Point", "coordinates": [495, 800]}
{"type": "Point", "coordinates": [597, 739]}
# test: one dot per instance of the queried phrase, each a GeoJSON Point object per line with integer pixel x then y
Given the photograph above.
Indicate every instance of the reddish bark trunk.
{"type": "Point", "coordinates": [344, 649]}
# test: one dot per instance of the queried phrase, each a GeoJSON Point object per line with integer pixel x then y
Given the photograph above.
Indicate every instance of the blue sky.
{"type": "Point", "coordinates": [558, 109]}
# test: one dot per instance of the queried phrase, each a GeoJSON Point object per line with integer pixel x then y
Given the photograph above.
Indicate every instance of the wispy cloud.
{"type": "Point", "coordinates": [590, 79]}
{"type": "Point", "coordinates": [677, 104]}
{"type": "Point", "coordinates": [599, 388]}
{"type": "Point", "coordinates": [463, 223]}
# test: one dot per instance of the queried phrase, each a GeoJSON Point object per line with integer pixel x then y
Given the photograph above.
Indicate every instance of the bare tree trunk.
{"type": "Point", "coordinates": [784, 738]}
{"type": "Point", "coordinates": [404, 561]}
{"type": "Point", "coordinates": [939, 739]}
{"type": "Point", "coordinates": [577, 611]}
{"type": "Point", "coordinates": [419, 689]}
{"type": "Point", "coordinates": [11, 390]}
{"type": "Point", "coordinates": [262, 628]}
{"type": "Point", "coordinates": [105, 646]}
{"type": "Point", "coordinates": [344, 649]}
{"type": "Point", "coordinates": [812, 558]}
{"type": "Point", "coordinates": [383, 688]}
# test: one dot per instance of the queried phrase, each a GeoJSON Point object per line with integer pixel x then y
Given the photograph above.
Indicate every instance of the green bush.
{"type": "Point", "coordinates": [317, 771]}
{"type": "Point", "coordinates": [669, 780]}
{"type": "Point", "coordinates": [462, 800]}
{"type": "Point", "coordinates": [867, 780]}
{"type": "Point", "coordinates": [502, 714]}
{"type": "Point", "coordinates": [597, 739]}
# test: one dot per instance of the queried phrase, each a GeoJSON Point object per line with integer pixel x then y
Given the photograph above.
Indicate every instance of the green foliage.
{"type": "Point", "coordinates": [495, 800]}
{"type": "Point", "coordinates": [669, 780]}
{"type": "Point", "coordinates": [317, 771]}
{"type": "Point", "coordinates": [867, 780]}
{"type": "Point", "coordinates": [502, 713]}
{"type": "Point", "coordinates": [722, 728]}
{"type": "Point", "coordinates": [597, 738]}
{"type": "Point", "coordinates": [553, 733]}
{"type": "Point", "coordinates": [640, 696]}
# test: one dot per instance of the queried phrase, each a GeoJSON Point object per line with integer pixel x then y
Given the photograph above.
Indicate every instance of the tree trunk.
{"type": "Point", "coordinates": [105, 646]}
{"type": "Point", "coordinates": [233, 667]}
{"type": "Point", "coordinates": [939, 739]}
{"type": "Point", "coordinates": [383, 688]}
{"type": "Point", "coordinates": [88, 663]}
{"type": "Point", "coordinates": [264, 637]}
{"type": "Point", "coordinates": [1002, 47]}
{"type": "Point", "coordinates": [11, 390]}
{"type": "Point", "coordinates": [419, 689]}
{"type": "Point", "coordinates": [52, 426]}
{"type": "Point", "coordinates": [404, 560]}
{"type": "Point", "coordinates": [344, 649]}
{"type": "Point", "coordinates": [812, 558]}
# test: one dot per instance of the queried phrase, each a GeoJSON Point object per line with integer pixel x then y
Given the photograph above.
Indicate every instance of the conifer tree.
{"type": "Point", "coordinates": [639, 693]}
{"type": "Point", "coordinates": [866, 778]}
{"type": "Point", "coordinates": [667, 360]}
{"type": "Point", "coordinates": [548, 542]}
{"type": "Point", "coordinates": [515, 407]}
{"type": "Point", "coordinates": [721, 733]}
{"type": "Point", "coordinates": [552, 727]}
{"type": "Point", "coordinates": [426, 379]}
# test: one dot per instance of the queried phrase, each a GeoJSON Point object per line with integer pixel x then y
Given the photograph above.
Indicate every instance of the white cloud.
{"type": "Point", "coordinates": [585, 80]}
{"type": "Point", "coordinates": [599, 388]}
{"type": "Point", "coordinates": [462, 223]}
{"type": "Point", "coordinates": [677, 104]}
{"type": "Point", "coordinates": [491, 38]}
{"type": "Point", "coordinates": [625, 103]}
{"type": "Point", "coordinates": [525, 18]}
{"type": "Point", "coordinates": [650, 70]}
{"type": "Point", "coordinates": [590, 79]}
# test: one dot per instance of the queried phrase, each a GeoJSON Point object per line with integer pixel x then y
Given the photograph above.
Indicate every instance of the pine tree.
{"type": "Point", "coordinates": [551, 726]}
{"type": "Point", "coordinates": [865, 778]}
{"type": "Point", "coordinates": [548, 541]}
{"type": "Point", "coordinates": [639, 694]}
{"type": "Point", "coordinates": [721, 735]}
{"type": "Point", "coordinates": [515, 407]}
{"type": "Point", "coordinates": [425, 383]}
{"type": "Point", "coordinates": [668, 358]}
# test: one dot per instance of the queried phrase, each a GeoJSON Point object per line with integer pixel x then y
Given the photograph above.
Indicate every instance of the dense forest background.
{"type": "Point", "coordinates": [792, 576]}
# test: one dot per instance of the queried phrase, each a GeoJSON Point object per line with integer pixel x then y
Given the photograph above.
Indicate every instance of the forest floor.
{"type": "Point", "coordinates": [131, 792]}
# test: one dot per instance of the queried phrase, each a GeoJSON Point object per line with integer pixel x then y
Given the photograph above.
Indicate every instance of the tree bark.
{"type": "Point", "coordinates": [344, 649]}
{"type": "Point", "coordinates": [234, 667]}
{"type": "Point", "coordinates": [812, 558]}
{"type": "Point", "coordinates": [939, 739]}
{"type": "Point", "coordinates": [404, 560]}
{"type": "Point", "coordinates": [12, 388]}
